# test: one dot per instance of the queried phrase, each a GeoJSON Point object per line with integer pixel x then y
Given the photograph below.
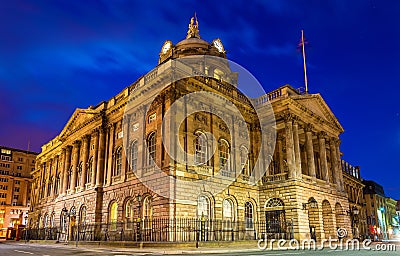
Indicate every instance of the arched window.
{"type": "Point", "coordinates": [118, 162]}
{"type": "Point", "coordinates": [134, 155]}
{"type": "Point", "coordinates": [113, 216]}
{"type": "Point", "coordinates": [147, 212]}
{"type": "Point", "coordinates": [227, 210]}
{"type": "Point", "coordinates": [223, 155]}
{"type": "Point", "coordinates": [274, 202]}
{"type": "Point", "coordinates": [40, 221]}
{"type": "Point", "coordinates": [275, 217]}
{"type": "Point", "coordinates": [46, 221]}
{"type": "Point", "coordinates": [79, 175]}
{"type": "Point", "coordinates": [52, 220]}
{"type": "Point", "coordinates": [82, 215]}
{"type": "Point", "coordinates": [130, 213]}
{"type": "Point", "coordinates": [200, 148]}
{"type": "Point", "coordinates": [151, 146]}
{"type": "Point", "coordinates": [248, 215]}
{"type": "Point", "coordinates": [89, 171]}
{"type": "Point", "coordinates": [203, 207]}
{"type": "Point", "coordinates": [147, 208]}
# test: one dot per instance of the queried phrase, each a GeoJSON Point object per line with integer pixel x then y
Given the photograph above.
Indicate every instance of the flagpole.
{"type": "Point", "coordinates": [304, 60]}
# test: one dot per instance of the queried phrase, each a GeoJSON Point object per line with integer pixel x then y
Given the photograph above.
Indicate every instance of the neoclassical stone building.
{"type": "Point", "coordinates": [111, 165]}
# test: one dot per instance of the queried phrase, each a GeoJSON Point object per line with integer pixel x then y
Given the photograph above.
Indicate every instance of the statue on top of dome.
{"type": "Point", "coordinates": [193, 28]}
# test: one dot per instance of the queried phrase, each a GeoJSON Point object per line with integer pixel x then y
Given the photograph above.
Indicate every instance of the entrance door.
{"type": "Point", "coordinates": [276, 224]}
{"type": "Point", "coordinates": [313, 233]}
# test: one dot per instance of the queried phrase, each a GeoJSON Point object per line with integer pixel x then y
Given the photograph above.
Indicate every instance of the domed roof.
{"type": "Point", "coordinates": [191, 45]}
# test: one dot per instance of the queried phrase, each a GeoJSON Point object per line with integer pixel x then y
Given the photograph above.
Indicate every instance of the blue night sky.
{"type": "Point", "coordinates": [56, 56]}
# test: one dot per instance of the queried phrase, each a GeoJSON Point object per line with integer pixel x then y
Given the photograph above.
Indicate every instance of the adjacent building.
{"type": "Point", "coordinates": [109, 170]}
{"type": "Point", "coordinates": [15, 186]}
{"type": "Point", "coordinates": [354, 186]}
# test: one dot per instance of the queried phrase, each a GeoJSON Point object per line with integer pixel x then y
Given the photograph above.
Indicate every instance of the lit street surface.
{"type": "Point", "coordinates": [19, 248]}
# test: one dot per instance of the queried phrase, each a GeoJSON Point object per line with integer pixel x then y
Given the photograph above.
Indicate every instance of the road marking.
{"type": "Point", "coordinates": [23, 252]}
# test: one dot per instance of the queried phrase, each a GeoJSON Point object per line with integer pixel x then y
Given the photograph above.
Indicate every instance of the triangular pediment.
{"type": "Point", "coordinates": [79, 119]}
{"type": "Point", "coordinates": [316, 104]}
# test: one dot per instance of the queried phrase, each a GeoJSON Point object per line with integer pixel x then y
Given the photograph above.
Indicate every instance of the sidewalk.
{"type": "Point", "coordinates": [166, 248]}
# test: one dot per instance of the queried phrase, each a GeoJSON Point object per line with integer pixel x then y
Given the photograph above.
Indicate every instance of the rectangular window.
{"type": "Point", "coordinates": [19, 167]}
{"type": "Point", "coordinates": [16, 197]}
{"type": "Point", "coordinates": [20, 159]}
{"type": "Point", "coordinates": [16, 189]}
{"type": "Point", "coordinates": [17, 182]}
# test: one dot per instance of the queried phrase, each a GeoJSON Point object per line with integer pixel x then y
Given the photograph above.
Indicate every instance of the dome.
{"type": "Point", "coordinates": [191, 45]}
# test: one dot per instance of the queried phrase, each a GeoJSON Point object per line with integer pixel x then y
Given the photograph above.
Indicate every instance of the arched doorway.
{"type": "Point", "coordinates": [72, 223]}
{"type": "Point", "coordinates": [327, 218]}
{"type": "Point", "coordinates": [313, 220]}
{"type": "Point", "coordinates": [275, 219]}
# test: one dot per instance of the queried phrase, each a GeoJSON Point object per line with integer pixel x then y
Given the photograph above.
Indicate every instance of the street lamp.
{"type": "Point", "coordinates": [312, 204]}
{"type": "Point", "coordinates": [65, 214]}
{"type": "Point", "coordinates": [26, 224]}
{"type": "Point", "coordinates": [139, 233]}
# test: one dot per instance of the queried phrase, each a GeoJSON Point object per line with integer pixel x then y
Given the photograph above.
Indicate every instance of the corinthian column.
{"type": "Point", "coordinates": [338, 163]}
{"type": "Point", "coordinates": [67, 166]}
{"type": "Point", "coordinates": [75, 153]}
{"type": "Point", "coordinates": [85, 154]}
{"type": "Point", "coordinates": [322, 152]}
{"type": "Point", "coordinates": [290, 155]}
{"type": "Point", "coordinates": [110, 162]}
{"type": "Point", "coordinates": [297, 147]}
{"type": "Point", "coordinates": [310, 151]}
{"type": "Point", "coordinates": [100, 159]}
{"type": "Point", "coordinates": [334, 160]}
{"type": "Point", "coordinates": [95, 135]}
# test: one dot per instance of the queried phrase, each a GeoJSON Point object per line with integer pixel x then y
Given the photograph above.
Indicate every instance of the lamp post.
{"type": "Point", "coordinates": [139, 232]}
{"type": "Point", "coordinates": [26, 224]}
{"type": "Point", "coordinates": [65, 215]}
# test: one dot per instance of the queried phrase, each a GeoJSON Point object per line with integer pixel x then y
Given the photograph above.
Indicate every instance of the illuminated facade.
{"type": "Point", "coordinates": [15, 186]}
{"type": "Point", "coordinates": [88, 170]}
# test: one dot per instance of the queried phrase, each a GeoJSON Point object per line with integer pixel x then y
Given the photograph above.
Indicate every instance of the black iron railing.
{"type": "Point", "coordinates": [162, 230]}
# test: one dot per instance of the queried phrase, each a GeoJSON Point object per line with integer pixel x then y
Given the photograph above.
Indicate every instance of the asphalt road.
{"type": "Point", "coordinates": [22, 249]}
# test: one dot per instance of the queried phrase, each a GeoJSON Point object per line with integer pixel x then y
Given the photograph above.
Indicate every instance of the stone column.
{"type": "Point", "coordinates": [297, 148]}
{"type": "Point", "coordinates": [322, 152]}
{"type": "Point", "coordinates": [67, 165]}
{"type": "Point", "coordinates": [56, 159]}
{"type": "Point", "coordinates": [95, 135]}
{"type": "Point", "coordinates": [110, 162]}
{"type": "Point", "coordinates": [334, 160]}
{"type": "Point", "coordinates": [339, 167]}
{"type": "Point", "coordinates": [100, 158]}
{"type": "Point", "coordinates": [310, 151]}
{"type": "Point", "coordinates": [280, 153]}
{"type": "Point", "coordinates": [85, 156]}
{"type": "Point", "coordinates": [290, 154]}
{"type": "Point", "coordinates": [75, 153]}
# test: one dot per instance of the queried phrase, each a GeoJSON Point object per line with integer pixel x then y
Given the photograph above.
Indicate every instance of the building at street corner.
{"type": "Point", "coordinates": [382, 219]}
{"type": "Point", "coordinates": [112, 173]}
{"type": "Point", "coordinates": [15, 188]}
{"type": "Point", "coordinates": [354, 186]}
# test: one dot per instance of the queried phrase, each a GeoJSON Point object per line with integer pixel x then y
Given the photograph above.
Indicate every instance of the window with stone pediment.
{"type": "Point", "coordinates": [89, 171]}
{"type": "Point", "coordinates": [79, 175]}
{"type": "Point", "coordinates": [151, 147]}
{"type": "Point", "coordinates": [118, 162]}
{"type": "Point", "coordinates": [223, 147]}
{"type": "Point", "coordinates": [200, 148]}
{"type": "Point", "coordinates": [134, 155]}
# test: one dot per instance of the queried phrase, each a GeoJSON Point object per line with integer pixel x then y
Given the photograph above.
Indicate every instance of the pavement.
{"type": "Point", "coordinates": [231, 248]}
